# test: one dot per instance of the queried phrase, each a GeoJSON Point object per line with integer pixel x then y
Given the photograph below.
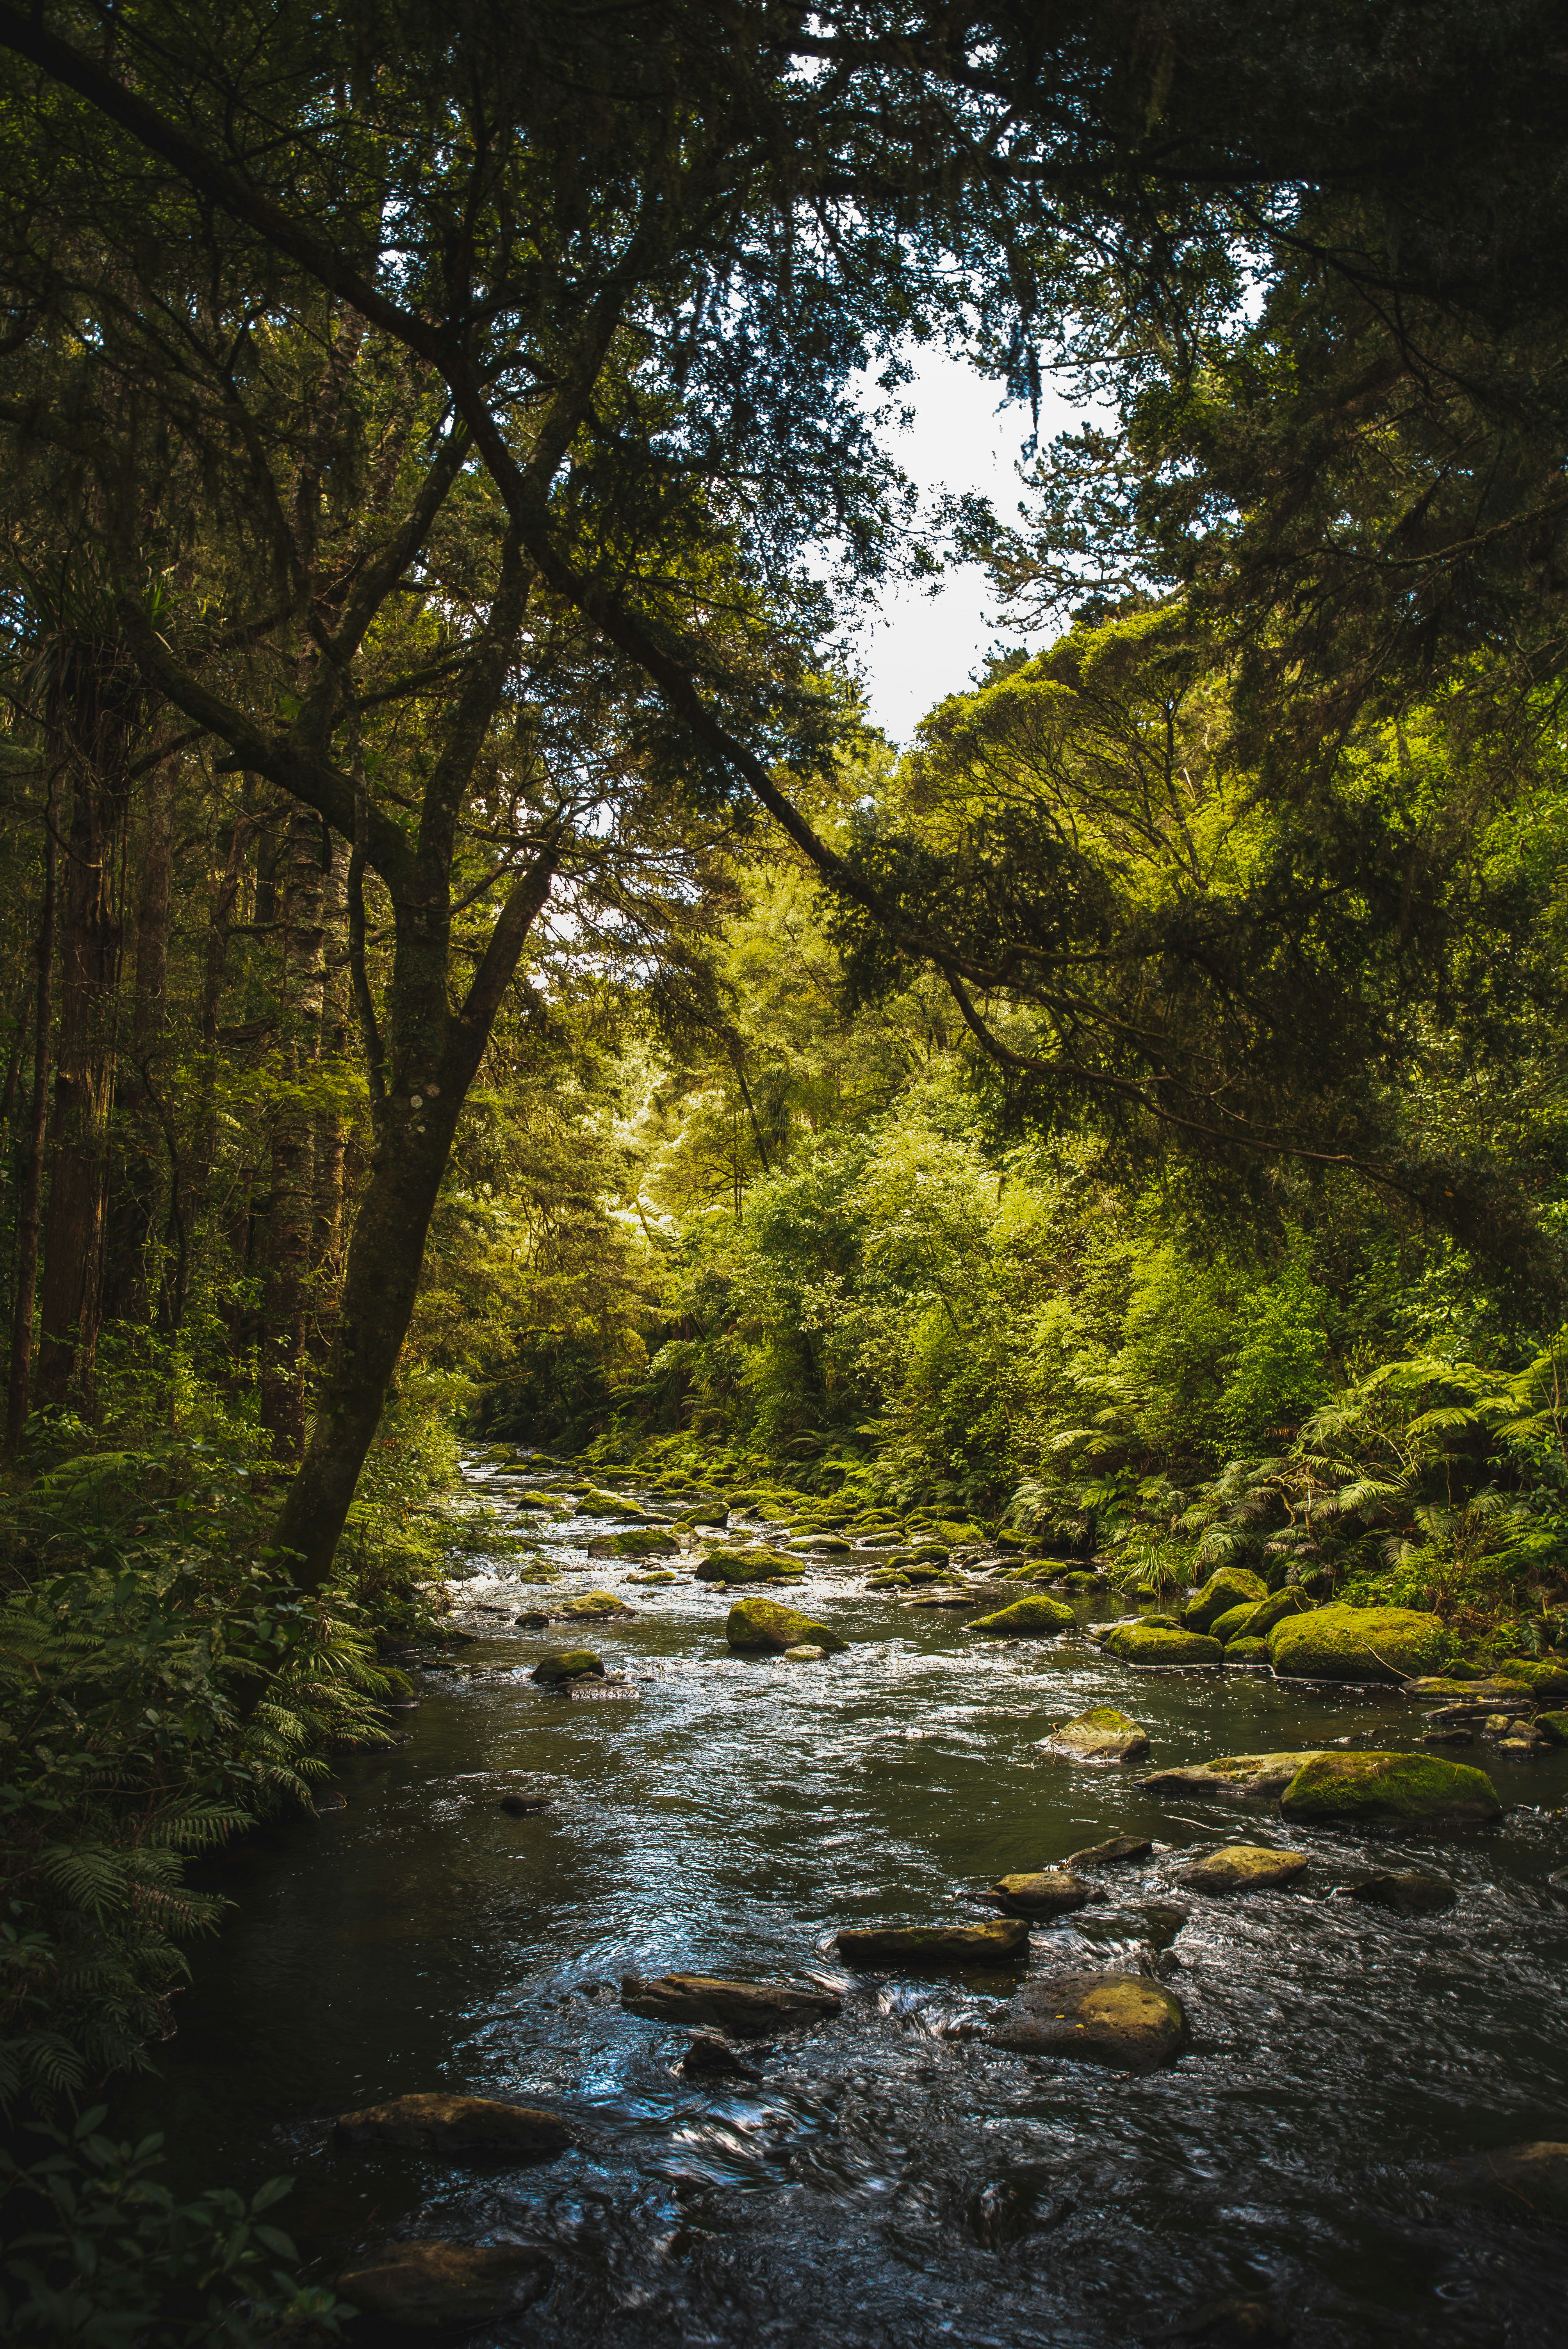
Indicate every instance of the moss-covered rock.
{"type": "Point", "coordinates": [1248, 1778]}
{"type": "Point", "coordinates": [1158, 1622]}
{"type": "Point", "coordinates": [592, 1607]}
{"type": "Point", "coordinates": [1027, 1619]}
{"type": "Point", "coordinates": [1101, 1735]}
{"type": "Point", "coordinates": [645, 1581]}
{"type": "Point", "coordinates": [1553, 1727]}
{"type": "Point", "coordinates": [435, 2286]}
{"type": "Point", "coordinates": [1234, 1623]}
{"type": "Point", "coordinates": [1147, 1643]}
{"type": "Point", "coordinates": [748, 1566]}
{"type": "Point", "coordinates": [649, 1544]}
{"type": "Point", "coordinates": [935, 1945]}
{"type": "Point", "coordinates": [1548, 1682]}
{"type": "Point", "coordinates": [457, 2125]}
{"type": "Point", "coordinates": [761, 1624]}
{"type": "Point", "coordinates": [598, 1503]}
{"type": "Point", "coordinates": [1227, 1586]}
{"type": "Point", "coordinates": [1045, 1892]}
{"type": "Point", "coordinates": [819, 1546]}
{"type": "Point", "coordinates": [1403, 1788]}
{"type": "Point", "coordinates": [1242, 1867]}
{"type": "Point", "coordinates": [1358, 1643]}
{"type": "Point", "coordinates": [1247, 1651]}
{"type": "Point", "coordinates": [1274, 1610]}
{"type": "Point", "coordinates": [567, 1664]}
{"type": "Point", "coordinates": [1125, 2021]}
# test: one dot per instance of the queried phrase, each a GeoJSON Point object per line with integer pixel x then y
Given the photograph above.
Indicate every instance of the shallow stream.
{"type": "Point", "coordinates": [890, 2181]}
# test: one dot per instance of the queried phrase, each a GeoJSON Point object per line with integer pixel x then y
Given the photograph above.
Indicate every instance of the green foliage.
{"type": "Point", "coordinates": [98, 2254]}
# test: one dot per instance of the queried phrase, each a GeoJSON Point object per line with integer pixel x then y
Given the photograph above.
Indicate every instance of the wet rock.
{"type": "Point", "coordinates": [597, 1503]}
{"type": "Point", "coordinates": [1408, 1891]}
{"type": "Point", "coordinates": [1242, 1867]}
{"type": "Point", "coordinates": [748, 1566]}
{"type": "Point", "coordinates": [1105, 1855]}
{"type": "Point", "coordinates": [1147, 1643]}
{"type": "Point", "coordinates": [1547, 1681]}
{"type": "Point", "coordinates": [935, 1945]}
{"type": "Point", "coordinates": [1125, 2021]}
{"type": "Point", "coordinates": [1358, 1643]}
{"type": "Point", "coordinates": [937, 1602]}
{"type": "Point", "coordinates": [819, 1546]}
{"type": "Point", "coordinates": [567, 1664]}
{"type": "Point", "coordinates": [433, 2286]}
{"type": "Point", "coordinates": [644, 1581]}
{"type": "Point", "coordinates": [1101, 1735]}
{"type": "Point", "coordinates": [1399, 1787]}
{"type": "Point", "coordinates": [635, 1546]}
{"type": "Point", "coordinates": [1164, 1919]}
{"type": "Point", "coordinates": [1447, 1737]}
{"type": "Point", "coordinates": [1530, 2180]}
{"type": "Point", "coordinates": [1027, 1619]}
{"type": "Point", "coordinates": [1234, 1623]}
{"type": "Point", "coordinates": [1227, 1586]}
{"type": "Point", "coordinates": [457, 2125]}
{"type": "Point", "coordinates": [522, 1802]}
{"type": "Point", "coordinates": [806, 1653]}
{"type": "Point", "coordinates": [706, 2058]}
{"type": "Point", "coordinates": [1246, 1654]}
{"type": "Point", "coordinates": [1553, 1727]}
{"type": "Point", "coordinates": [1467, 1699]}
{"type": "Point", "coordinates": [1246, 1777]}
{"type": "Point", "coordinates": [593, 1607]}
{"type": "Point", "coordinates": [747, 2010]}
{"type": "Point", "coordinates": [761, 1624]}
{"type": "Point", "coordinates": [1050, 1892]}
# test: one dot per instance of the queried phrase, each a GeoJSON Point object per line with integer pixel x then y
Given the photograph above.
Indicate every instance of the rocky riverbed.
{"type": "Point", "coordinates": [1342, 2032]}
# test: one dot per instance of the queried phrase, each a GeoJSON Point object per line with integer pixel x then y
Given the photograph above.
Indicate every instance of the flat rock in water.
{"type": "Point", "coordinates": [1403, 1788]}
{"type": "Point", "coordinates": [806, 1653]}
{"type": "Point", "coordinates": [1125, 2021]}
{"type": "Point", "coordinates": [935, 1945]}
{"type": "Point", "coordinates": [565, 1665]}
{"type": "Point", "coordinates": [1247, 1777]}
{"type": "Point", "coordinates": [1050, 1892]}
{"type": "Point", "coordinates": [1409, 1892]}
{"type": "Point", "coordinates": [1530, 2180]}
{"type": "Point", "coordinates": [1101, 1735]}
{"type": "Point", "coordinates": [1105, 1855]}
{"type": "Point", "coordinates": [708, 2058]}
{"type": "Point", "coordinates": [748, 2010]}
{"type": "Point", "coordinates": [1242, 1867]}
{"type": "Point", "coordinates": [432, 2285]}
{"type": "Point", "coordinates": [442, 2124]}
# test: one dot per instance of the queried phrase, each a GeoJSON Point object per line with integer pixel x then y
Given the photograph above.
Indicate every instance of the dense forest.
{"type": "Point", "coordinates": [471, 971]}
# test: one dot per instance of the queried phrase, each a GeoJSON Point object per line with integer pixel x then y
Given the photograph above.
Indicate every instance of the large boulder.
{"type": "Point", "coordinates": [568, 1664]}
{"type": "Point", "coordinates": [1101, 1735]}
{"type": "Point", "coordinates": [1125, 2021]}
{"type": "Point", "coordinates": [1150, 1644]}
{"type": "Point", "coordinates": [457, 2125]}
{"type": "Point", "coordinates": [1227, 1586]}
{"type": "Point", "coordinates": [935, 1945]}
{"type": "Point", "coordinates": [1358, 1643]}
{"type": "Point", "coordinates": [1242, 1867]}
{"type": "Point", "coordinates": [762, 1625]}
{"type": "Point", "coordinates": [1270, 1611]}
{"type": "Point", "coordinates": [1027, 1619]}
{"type": "Point", "coordinates": [748, 1566]}
{"type": "Point", "coordinates": [1235, 1624]}
{"type": "Point", "coordinates": [1403, 1788]}
{"type": "Point", "coordinates": [747, 2010]}
{"type": "Point", "coordinates": [1546, 1682]}
{"type": "Point", "coordinates": [1048, 1892]}
{"type": "Point", "coordinates": [440, 2287]}
{"type": "Point", "coordinates": [1252, 1777]}
{"type": "Point", "coordinates": [1528, 2180]}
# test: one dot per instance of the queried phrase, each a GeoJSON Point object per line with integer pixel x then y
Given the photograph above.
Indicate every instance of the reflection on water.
{"type": "Point", "coordinates": [888, 2180]}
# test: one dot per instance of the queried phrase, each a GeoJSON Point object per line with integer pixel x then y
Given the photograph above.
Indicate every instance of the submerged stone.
{"type": "Point", "coordinates": [1242, 1867]}
{"type": "Point", "coordinates": [567, 1664]}
{"type": "Point", "coordinates": [442, 2123]}
{"type": "Point", "coordinates": [1125, 2021]}
{"type": "Point", "coordinates": [1529, 2179]}
{"type": "Point", "coordinates": [1050, 1892]}
{"type": "Point", "coordinates": [706, 2058]}
{"type": "Point", "coordinates": [432, 2285]}
{"type": "Point", "coordinates": [1145, 1643]}
{"type": "Point", "coordinates": [1411, 1892]}
{"type": "Point", "coordinates": [1358, 1643]}
{"type": "Point", "coordinates": [935, 1945]}
{"type": "Point", "coordinates": [1027, 1619]}
{"type": "Point", "coordinates": [762, 1624]}
{"type": "Point", "coordinates": [1101, 1735]}
{"type": "Point", "coordinates": [1227, 1586]}
{"type": "Point", "coordinates": [748, 2010]}
{"type": "Point", "coordinates": [1397, 1787]}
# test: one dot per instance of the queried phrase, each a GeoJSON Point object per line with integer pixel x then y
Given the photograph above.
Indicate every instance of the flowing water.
{"type": "Point", "coordinates": [888, 2180]}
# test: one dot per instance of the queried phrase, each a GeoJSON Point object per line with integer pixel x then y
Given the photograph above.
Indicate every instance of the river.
{"type": "Point", "coordinates": [890, 2182]}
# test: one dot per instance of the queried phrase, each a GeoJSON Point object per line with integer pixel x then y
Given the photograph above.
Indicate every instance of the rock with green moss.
{"type": "Point", "coordinates": [1043, 1892]}
{"type": "Point", "coordinates": [1242, 1867]}
{"type": "Point", "coordinates": [592, 1607]}
{"type": "Point", "coordinates": [1124, 2020]}
{"type": "Point", "coordinates": [1553, 1727]}
{"type": "Point", "coordinates": [649, 1544]}
{"type": "Point", "coordinates": [644, 1581]}
{"type": "Point", "coordinates": [1270, 1611]}
{"type": "Point", "coordinates": [1004, 1941]}
{"type": "Point", "coordinates": [1545, 1681]}
{"type": "Point", "coordinates": [1027, 1619]}
{"type": "Point", "coordinates": [1227, 1586]}
{"type": "Point", "coordinates": [1101, 1735]}
{"type": "Point", "coordinates": [1147, 1643]}
{"type": "Point", "coordinates": [1159, 1622]}
{"type": "Point", "coordinates": [1247, 1651]}
{"type": "Point", "coordinates": [597, 1503]}
{"type": "Point", "coordinates": [1236, 1623]}
{"type": "Point", "coordinates": [819, 1546]}
{"type": "Point", "coordinates": [761, 1624]}
{"type": "Point", "coordinates": [748, 1566]}
{"type": "Point", "coordinates": [1358, 1643]}
{"type": "Point", "coordinates": [891, 1578]}
{"type": "Point", "coordinates": [1246, 1777]}
{"type": "Point", "coordinates": [567, 1664]}
{"type": "Point", "coordinates": [1404, 1789]}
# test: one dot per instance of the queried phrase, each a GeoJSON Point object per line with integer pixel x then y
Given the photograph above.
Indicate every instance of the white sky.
{"type": "Point", "coordinates": [924, 646]}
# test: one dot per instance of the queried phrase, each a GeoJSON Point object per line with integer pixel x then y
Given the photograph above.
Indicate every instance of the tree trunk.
{"type": "Point", "coordinates": [292, 1218]}
{"type": "Point", "coordinates": [330, 1128]}
{"type": "Point", "coordinates": [18, 1398]}
{"type": "Point", "coordinates": [142, 1149]}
